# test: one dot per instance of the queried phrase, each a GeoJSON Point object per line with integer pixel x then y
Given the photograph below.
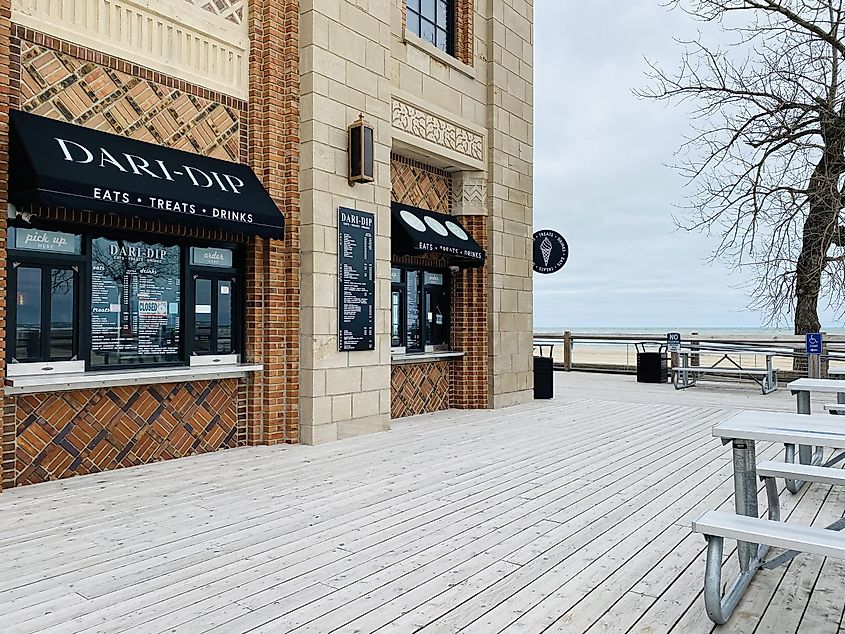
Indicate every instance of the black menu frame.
{"type": "Point", "coordinates": [356, 273]}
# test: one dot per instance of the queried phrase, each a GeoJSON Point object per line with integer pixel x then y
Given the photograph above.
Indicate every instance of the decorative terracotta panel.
{"type": "Point", "coordinates": [232, 10]}
{"type": "Point", "coordinates": [429, 127]}
{"type": "Point", "coordinates": [419, 388]}
{"type": "Point", "coordinates": [419, 185]}
{"type": "Point", "coordinates": [204, 42]}
{"type": "Point", "coordinates": [62, 434]}
{"type": "Point", "coordinates": [69, 89]}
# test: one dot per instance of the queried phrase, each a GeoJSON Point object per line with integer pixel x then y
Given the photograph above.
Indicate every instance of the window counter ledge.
{"type": "Point", "coordinates": [425, 357]}
{"type": "Point", "coordinates": [409, 37]}
{"type": "Point", "coordinates": [93, 380]}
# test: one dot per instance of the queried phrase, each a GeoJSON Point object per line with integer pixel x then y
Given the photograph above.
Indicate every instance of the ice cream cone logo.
{"type": "Point", "coordinates": [546, 248]}
{"type": "Point", "coordinates": [550, 251]}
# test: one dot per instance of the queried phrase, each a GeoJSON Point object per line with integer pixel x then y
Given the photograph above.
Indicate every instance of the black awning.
{"type": "Point", "coordinates": [57, 164]}
{"type": "Point", "coordinates": [416, 231]}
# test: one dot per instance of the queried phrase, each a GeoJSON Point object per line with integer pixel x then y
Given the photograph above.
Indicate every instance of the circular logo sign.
{"type": "Point", "coordinates": [550, 251]}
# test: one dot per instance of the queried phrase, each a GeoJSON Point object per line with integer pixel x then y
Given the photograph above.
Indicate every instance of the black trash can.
{"type": "Point", "coordinates": [544, 377]}
{"type": "Point", "coordinates": [652, 366]}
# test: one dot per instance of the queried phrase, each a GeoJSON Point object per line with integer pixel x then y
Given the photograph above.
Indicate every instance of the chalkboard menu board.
{"type": "Point", "coordinates": [356, 280]}
{"type": "Point", "coordinates": [413, 342]}
{"type": "Point", "coordinates": [134, 303]}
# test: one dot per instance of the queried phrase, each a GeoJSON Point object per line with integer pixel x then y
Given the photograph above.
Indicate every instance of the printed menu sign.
{"type": "Point", "coordinates": [413, 342]}
{"type": "Point", "coordinates": [134, 303]}
{"type": "Point", "coordinates": [356, 280]}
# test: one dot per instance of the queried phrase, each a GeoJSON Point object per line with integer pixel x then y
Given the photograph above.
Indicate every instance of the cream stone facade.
{"type": "Point", "coordinates": [473, 120]}
{"type": "Point", "coordinates": [345, 56]}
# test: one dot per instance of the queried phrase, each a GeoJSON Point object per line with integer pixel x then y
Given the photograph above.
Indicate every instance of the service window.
{"type": "Point", "coordinates": [44, 313]}
{"type": "Point", "coordinates": [436, 310]}
{"type": "Point", "coordinates": [213, 301]}
{"type": "Point", "coordinates": [135, 299]}
{"type": "Point", "coordinates": [116, 302]}
{"type": "Point", "coordinates": [44, 287]}
{"type": "Point", "coordinates": [419, 310]}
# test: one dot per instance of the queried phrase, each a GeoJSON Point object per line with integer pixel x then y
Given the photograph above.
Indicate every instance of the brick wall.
{"type": "Point", "coordinates": [419, 388]}
{"type": "Point", "coordinates": [47, 436]}
{"type": "Point", "coordinates": [8, 74]}
{"type": "Point", "coordinates": [470, 327]}
{"type": "Point", "coordinates": [75, 432]}
{"type": "Point", "coordinates": [274, 268]}
{"type": "Point", "coordinates": [465, 31]}
{"type": "Point", "coordinates": [419, 185]}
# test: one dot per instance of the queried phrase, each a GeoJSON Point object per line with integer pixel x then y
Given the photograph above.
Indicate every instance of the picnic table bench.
{"type": "Point", "coordinates": [686, 375]}
{"type": "Point", "coordinates": [754, 535]}
{"type": "Point", "coordinates": [803, 389]}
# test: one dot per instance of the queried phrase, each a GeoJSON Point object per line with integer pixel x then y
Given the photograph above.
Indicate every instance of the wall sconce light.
{"type": "Point", "coordinates": [361, 152]}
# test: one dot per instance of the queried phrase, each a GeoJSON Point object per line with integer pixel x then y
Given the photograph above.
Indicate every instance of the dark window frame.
{"type": "Point", "coordinates": [215, 275]}
{"type": "Point", "coordinates": [82, 295]}
{"type": "Point", "coordinates": [88, 238]}
{"type": "Point", "coordinates": [46, 265]}
{"type": "Point", "coordinates": [445, 289]}
{"type": "Point", "coordinates": [401, 288]}
{"type": "Point", "coordinates": [450, 28]}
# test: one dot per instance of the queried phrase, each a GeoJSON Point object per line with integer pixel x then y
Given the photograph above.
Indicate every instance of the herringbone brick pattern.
{"type": "Point", "coordinates": [418, 388]}
{"type": "Point", "coordinates": [63, 87]}
{"type": "Point", "coordinates": [419, 185]}
{"type": "Point", "coordinates": [61, 434]}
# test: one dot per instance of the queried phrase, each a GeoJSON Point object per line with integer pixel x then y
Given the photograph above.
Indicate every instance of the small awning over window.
{"type": "Point", "coordinates": [57, 164]}
{"type": "Point", "coordinates": [416, 231]}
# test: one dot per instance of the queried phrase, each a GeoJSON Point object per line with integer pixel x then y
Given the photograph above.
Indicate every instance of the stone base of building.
{"type": "Point", "coordinates": [341, 430]}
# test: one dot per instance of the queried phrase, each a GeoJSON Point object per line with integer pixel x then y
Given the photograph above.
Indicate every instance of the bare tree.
{"type": "Point", "coordinates": [767, 162]}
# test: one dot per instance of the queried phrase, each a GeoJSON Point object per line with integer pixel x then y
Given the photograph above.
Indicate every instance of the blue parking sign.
{"type": "Point", "coordinates": [814, 343]}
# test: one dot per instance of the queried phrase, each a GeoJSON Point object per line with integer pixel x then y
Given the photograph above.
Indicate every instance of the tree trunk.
{"type": "Point", "coordinates": [817, 237]}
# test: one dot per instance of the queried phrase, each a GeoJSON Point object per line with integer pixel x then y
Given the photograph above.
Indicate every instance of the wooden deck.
{"type": "Point", "coordinates": [569, 516]}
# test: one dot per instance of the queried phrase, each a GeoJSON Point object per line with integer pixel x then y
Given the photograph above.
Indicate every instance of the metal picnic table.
{"type": "Point", "coordinates": [685, 375]}
{"type": "Point", "coordinates": [743, 430]}
{"type": "Point", "coordinates": [802, 389]}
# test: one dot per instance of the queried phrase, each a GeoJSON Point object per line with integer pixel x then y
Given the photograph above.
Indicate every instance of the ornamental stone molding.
{"type": "Point", "coordinates": [205, 43]}
{"type": "Point", "coordinates": [469, 194]}
{"type": "Point", "coordinates": [426, 126]}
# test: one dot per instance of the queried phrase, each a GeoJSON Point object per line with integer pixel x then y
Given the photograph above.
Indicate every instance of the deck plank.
{"type": "Point", "coordinates": [569, 515]}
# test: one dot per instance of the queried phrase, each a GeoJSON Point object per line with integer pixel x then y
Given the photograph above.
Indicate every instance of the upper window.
{"type": "Point", "coordinates": [433, 21]}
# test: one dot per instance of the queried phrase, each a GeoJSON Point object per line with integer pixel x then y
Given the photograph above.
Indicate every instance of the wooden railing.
{"type": "Point", "coordinates": [784, 346]}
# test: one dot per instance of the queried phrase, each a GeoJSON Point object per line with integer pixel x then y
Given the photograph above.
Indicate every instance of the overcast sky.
{"type": "Point", "coordinates": [601, 175]}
